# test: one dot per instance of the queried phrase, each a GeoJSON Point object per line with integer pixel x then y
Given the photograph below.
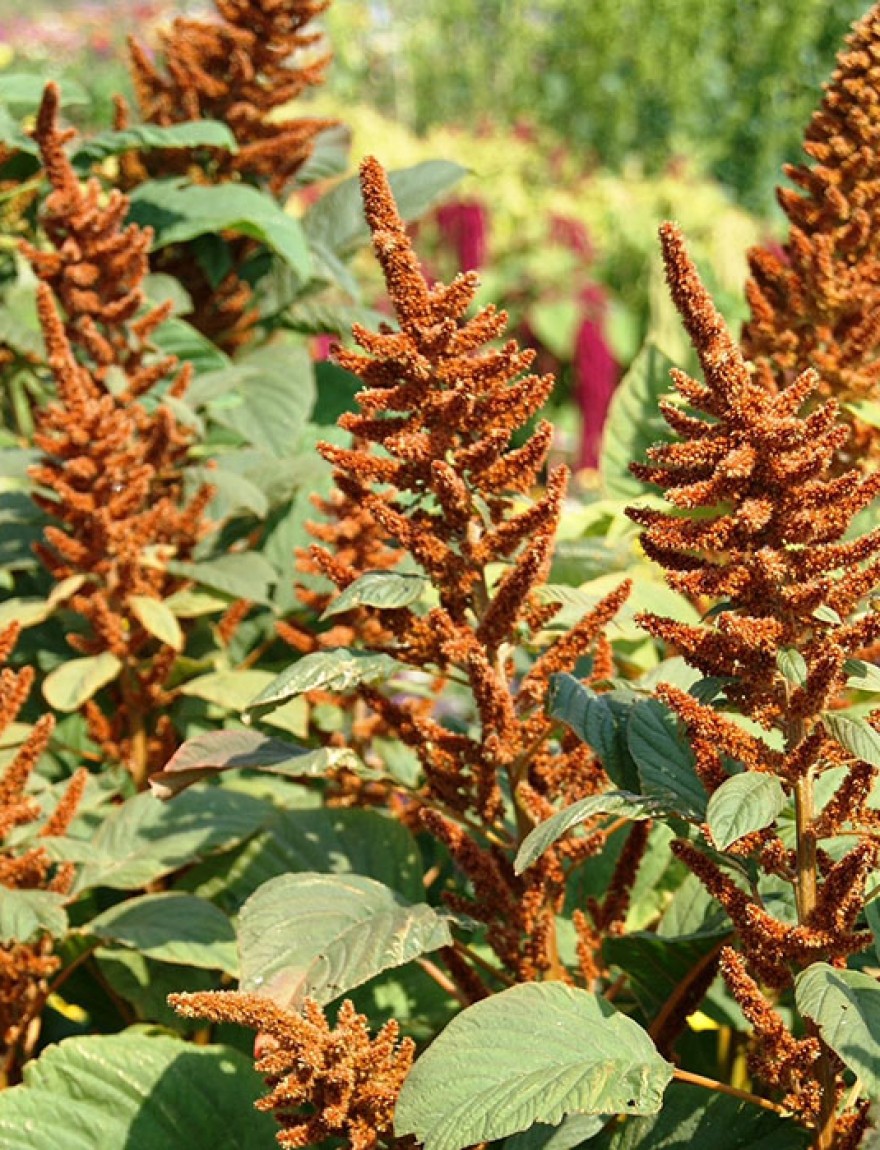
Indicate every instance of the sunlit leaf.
{"type": "Point", "coordinates": [534, 1053]}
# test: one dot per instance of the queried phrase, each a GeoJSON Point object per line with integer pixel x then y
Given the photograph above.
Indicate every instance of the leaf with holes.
{"type": "Point", "coordinates": [336, 670]}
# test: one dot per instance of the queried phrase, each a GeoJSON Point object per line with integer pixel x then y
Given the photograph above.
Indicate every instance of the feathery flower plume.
{"type": "Point", "coordinates": [242, 69]}
{"type": "Point", "coordinates": [816, 302]}
{"type": "Point", "coordinates": [26, 966]}
{"type": "Point", "coordinates": [324, 1082]}
{"type": "Point", "coordinates": [111, 468]}
{"type": "Point", "coordinates": [434, 467]}
{"type": "Point", "coordinates": [757, 524]}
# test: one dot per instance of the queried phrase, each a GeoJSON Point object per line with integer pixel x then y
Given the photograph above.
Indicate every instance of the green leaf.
{"type": "Point", "coordinates": [271, 398]}
{"type": "Point", "coordinates": [233, 493]}
{"type": "Point", "coordinates": [157, 618]}
{"type": "Point", "coordinates": [744, 803]}
{"type": "Point", "coordinates": [601, 721]}
{"type": "Point", "coordinates": [173, 927]}
{"type": "Point", "coordinates": [24, 91]}
{"type": "Point", "coordinates": [862, 676]}
{"type": "Point", "coordinates": [143, 839]}
{"type": "Point", "coordinates": [388, 589]}
{"type": "Point", "coordinates": [243, 575]}
{"type": "Point", "coordinates": [24, 914]}
{"type": "Point", "coordinates": [855, 735]}
{"type": "Point", "coordinates": [620, 803]}
{"type": "Point", "coordinates": [189, 604]}
{"type": "Point", "coordinates": [215, 751]}
{"type": "Point", "coordinates": [337, 670]}
{"type": "Point", "coordinates": [134, 1091]}
{"type": "Point", "coordinates": [320, 935]}
{"type": "Point", "coordinates": [190, 134]}
{"type": "Point", "coordinates": [634, 423]}
{"type": "Point", "coordinates": [664, 759]}
{"type": "Point", "coordinates": [178, 212]}
{"type": "Point", "coordinates": [845, 1005]}
{"type": "Point", "coordinates": [26, 612]}
{"type": "Point", "coordinates": [231, 690]}
{"type": "Point", "coordinates": [533, 1053]}
{"type": "Point", "coordinates": [337, 219]}
{"type": "Point", "coordinates": [793, 665]}
{"type": "Point", "coordinates": [694, 1117]}
{"type": "Point", "coordinates": [179, 338]}
{"type": "Point", "coordinates": [325, 841]}
{"type": "Point", "coordinates": [827, 614]}
{"type": "Point", "coordinates": [73, 683]}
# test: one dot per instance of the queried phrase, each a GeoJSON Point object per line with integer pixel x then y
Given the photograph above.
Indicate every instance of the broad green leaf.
{"type": "Point", "coordinates": [243, 575]}
{"type": "Point", "coordinates": [318, 936]}
{"type": "Point", "coordinates": [533, 1053]}
{"type": "Point", "coordinates": [634, 422]}
{"type": "Point", "coordinates": [337, 219]}
{"type": "Point", "coordinates": [145, 983]}
{"type": "Point", "coordinates": [231, 690]}
{"type": "Point", "coordinates": [601, 721]}
{"type": "Point", "coordinates": [193, 604]}
{"type": "Point", "coordinates": [178, 212]}
{"type": "Point", "coordinates": [325, 841]}
{"type": "Point", "coordinates": [338, 670]}
{"type": "Point", "coordinates": [190, 134]}
{"type": "Point", "coordinates": [73, 683]}
{"type": "Point", "coordinates": [233, 494]}
{"type": "Point", "coordinates": [845, 1005]}
{"type": "Point", "coordinates": [273, 397]}
{"type": "Point", "coordinates": [793, 665]}
{"type": "Point", "coordinates": [693, 1118]}
{"type": "Point", "coordinates": [24, 914]}
{"type": "Point", "coordinates": [856, 735]}
{"type": "Point", "coordinates": [387, 589]}
{"type": "Point", "coordinates": [143, 839]}
{"type": "Point", "coordinates": [136, 1091]}
{"type": "Point", "coordinates": [179, 338]}
{"type": "Point", "coordinates": [215, 751]}
{"type": "Point", "coordinates": [867, 410]}
{"type": "Point", "coordinates": [692, 911]}
{"type": "Point", "coordinates": [872, 915]}
{"type": "Point", "coordinates": [157, 618]}
{"type": "Point", "coordinates": [742, 804]}
{"type": "Point", "coordinates": [664, 759]}
{"type": "Point", "coordinates": [172, 926]}
{"type": "Point", "coordinates": [620, 803]}
{"type": "Point", "coordinates": [26, 612]}
{"type": "Point", "coordinates": [826, 614]}
{"type": "Point", "coordinates": [862, 676]}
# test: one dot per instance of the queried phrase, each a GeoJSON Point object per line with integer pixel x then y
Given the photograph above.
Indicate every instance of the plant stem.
{"type": "Point", "coordinates": [805, 896]}
{"type": "Point", "coordinates": [722, 1088]}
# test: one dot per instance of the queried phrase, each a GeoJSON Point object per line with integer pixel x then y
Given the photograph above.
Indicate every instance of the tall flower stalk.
{"type": "Point", "coordinates": [816, 302]}
{"type": "Point", "coordinates": [110, 470]}
{"type": "Point", "coordinates": [757, 524]}
{"type": "Point", "coordinates": [434, 467]}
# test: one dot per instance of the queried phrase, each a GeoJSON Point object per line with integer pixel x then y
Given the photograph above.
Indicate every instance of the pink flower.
{"type": "Point", "coordinates": [596, 374]}
{"type": "Point", "coordinates": [464, 224]}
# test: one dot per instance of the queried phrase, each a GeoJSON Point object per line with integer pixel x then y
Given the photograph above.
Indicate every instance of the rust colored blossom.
{"type": "Point", "coordinates": [816, 302]}
{"type": "Point", "coordinates": [25, 966]}
{"type": "Point", "coordinates": [324, 1082]}
{"type": "Point", "coordinates": [111, 467]}
{"type": "Point", "coordinates": [758, 525]}
{"type": "Point", "coordinates": [433, 473]}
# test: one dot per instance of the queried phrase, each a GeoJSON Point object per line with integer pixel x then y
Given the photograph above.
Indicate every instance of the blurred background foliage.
{"type": "Point", "coordinates": [583, 125]}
